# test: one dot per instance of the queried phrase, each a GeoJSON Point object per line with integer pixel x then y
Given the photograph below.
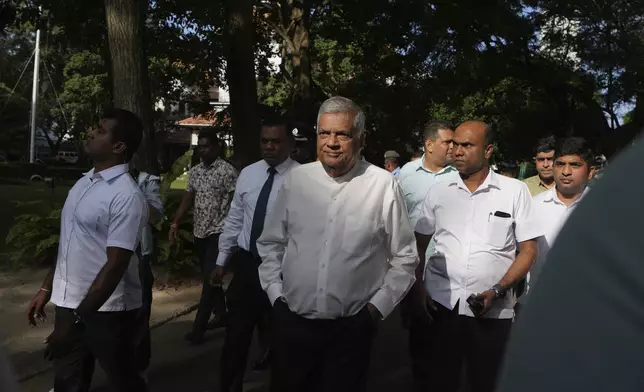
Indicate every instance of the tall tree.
{"type": "Point", "coordinates": [240, 73]}
{"type": "Point", "coordinates": [290, 20]}
{"type": "Point", "coordinates": [130, 80]}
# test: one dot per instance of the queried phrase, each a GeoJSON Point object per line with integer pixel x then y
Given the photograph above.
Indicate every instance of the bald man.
{"type": "Point", "coordinates": [478, 218]}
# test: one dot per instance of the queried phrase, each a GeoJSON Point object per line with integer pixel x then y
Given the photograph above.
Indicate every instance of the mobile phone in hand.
{"type": "Point", "coordinates": [476, 304]}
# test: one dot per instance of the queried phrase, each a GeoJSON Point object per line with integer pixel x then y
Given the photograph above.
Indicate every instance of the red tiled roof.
{"type": "Point", "coordinates": [208, 119]}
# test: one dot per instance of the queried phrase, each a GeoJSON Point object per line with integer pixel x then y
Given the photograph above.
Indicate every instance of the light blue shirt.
{"type": "Point", "coordinates": [415, 180]}
{"type": "Point", "coordinates": [149, 186]}
{"type": "Point", "coordinates": [396, 172]}
{"type": "Point", "coordinates": [102, 210]}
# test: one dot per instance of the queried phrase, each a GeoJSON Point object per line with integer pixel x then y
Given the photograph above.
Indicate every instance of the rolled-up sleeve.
{"type": "Point", "coordinates": [401, 246]}
{"type": "Point", "coordinates": [272, 244]}
{"type": "Point", "coordinates": [128, 216]}
{"type": "Point", "coordinates": [527, 226]}
{"type": "Point", "coordinates": [425, 217]}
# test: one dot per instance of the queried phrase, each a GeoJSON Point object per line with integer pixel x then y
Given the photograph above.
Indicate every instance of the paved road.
{"type": "Point", "coordinates": [389, 367]}
{"type": "Point", "coordinates": [179, 367]}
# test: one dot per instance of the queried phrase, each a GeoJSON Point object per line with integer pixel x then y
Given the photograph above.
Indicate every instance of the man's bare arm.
{"type": "Point", "coordinates": [48, 283]}
{"type": "Point", "coordinates": [186, 201]}
{"type": "Point", "coordinates": [521, 266]}
{"type": "Point", "coordinates": [106, 281]}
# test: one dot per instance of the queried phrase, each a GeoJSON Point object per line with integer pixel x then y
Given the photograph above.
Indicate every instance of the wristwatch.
{"type": "Point", "coordinates": [499, 290]}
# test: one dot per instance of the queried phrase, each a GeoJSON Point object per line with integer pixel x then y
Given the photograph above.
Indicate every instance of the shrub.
{"type": "Point", "coordinates": [33, 236]}
{"type": "Point", "coordinates": [180, 256]}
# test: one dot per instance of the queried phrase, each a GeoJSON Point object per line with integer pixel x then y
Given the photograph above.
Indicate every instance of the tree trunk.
{"type": "Point", "coordinates": [129, 71]}
{"type": "Point", "coordinates": [240, 73]}
{"type": "Point", "coordinates": [299, 35]}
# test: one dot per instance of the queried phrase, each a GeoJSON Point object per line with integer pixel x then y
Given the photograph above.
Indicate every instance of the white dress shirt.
{"type": "Point", "coordinates": [239, 221]}
{"type": "Point", "coordinates": [104, 209]}
{"type": "Point", "coordinates": [551, 214]}
{"type": "Point", "coordinates": [475, 246]}
{"type": "Point", "coordinates": [338, 243]}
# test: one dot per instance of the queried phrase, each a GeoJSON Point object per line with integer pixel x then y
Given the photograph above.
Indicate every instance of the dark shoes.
{"type": "Point", "coordinates": [264, 362]}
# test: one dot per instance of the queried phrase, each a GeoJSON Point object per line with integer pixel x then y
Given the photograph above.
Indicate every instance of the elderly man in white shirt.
{"type": "Point", "coordinates": [573, 169]}
{"type": "Point", "coordinates": [338, 255]}
{"type": "Point", "coordinates": [255, 195]}
{"type": "Point", "coordinates": [95, 282]}
{"type": "Point", "coordinates": [477, 217]}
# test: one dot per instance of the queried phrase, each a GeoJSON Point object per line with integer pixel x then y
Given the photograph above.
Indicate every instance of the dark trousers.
{"type": "Point", "coordinates": [212, 298]}
{"type": "Point", "coordinates": [419, 345]}
{"type": "Point", "coordinates": [453, 338]}
{"type": "Point", "coordinates": [320, 355]}
{"type": "Point", "coordinates": [109, 338]}
{"type": "Point", "coordinates": [419, 350]}
{"type": "Point", "coordinates": [143, 352]}
{"type": "Point", "coordinates": [248, 308]}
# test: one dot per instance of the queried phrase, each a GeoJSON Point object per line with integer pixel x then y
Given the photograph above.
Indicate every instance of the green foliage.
{"type": "Point", "coordinates": [180, 256]}
{"type": "Point", "coordinates": [34, 237]}
{"type": "Point", "coordinates": [85, 93]}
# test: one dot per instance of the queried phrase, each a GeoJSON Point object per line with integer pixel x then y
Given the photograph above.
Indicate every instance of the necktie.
{"type": "Point", "coordinates": [260, 211]}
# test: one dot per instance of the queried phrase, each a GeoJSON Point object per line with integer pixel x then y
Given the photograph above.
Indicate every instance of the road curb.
{"type": "Point", "coordinates": [154, 325]}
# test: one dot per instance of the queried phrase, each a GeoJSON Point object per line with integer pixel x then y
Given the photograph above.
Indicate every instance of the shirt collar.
{"type": "Point", "coordinates": [492, 180]}
{"type": "Point", "coordinates": [108, 174]}
{"type": "Point", "coordinates": [551, 197]}
{"type": "Point", "coordinates": [282, 167]}
{"type": "Point", "coordinates": [213, 164]}
{"type": "Point", "coordinates": [421, 166]}
{"type": "Point", "coordinates": [348, 175]}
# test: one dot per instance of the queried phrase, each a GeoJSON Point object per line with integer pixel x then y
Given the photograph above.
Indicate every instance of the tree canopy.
{"type": "Point", "coordinates": [531, 68]}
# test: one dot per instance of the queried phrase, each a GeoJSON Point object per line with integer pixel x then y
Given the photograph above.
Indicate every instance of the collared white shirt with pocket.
{"type": "Point", "coordinates": [551, 214]}
{"type": "Point", "coordinates": [476, 237]}
{"type": "Point", "coordinates": [239, 221]}
{"type": "Point", "coordinates": [331, 245]}
{"type": "Point", "coordinates": [104, 209]}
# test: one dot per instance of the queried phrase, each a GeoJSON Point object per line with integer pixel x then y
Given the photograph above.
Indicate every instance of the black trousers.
{"type": "Point", "coordinates": [212, 298]}
{"type": "Point", "coordinates": [248, 308]}
{"type": "Point", "coordinates": [419, 350]}
{"type": "Point", "coordinates": [143, 352]}
{"type": "Point", "coordinates": [320, 355]}
{"type": "Point", "coordinates": [110, 339]}
{"type": "Point", "coordinates": [453, 339]}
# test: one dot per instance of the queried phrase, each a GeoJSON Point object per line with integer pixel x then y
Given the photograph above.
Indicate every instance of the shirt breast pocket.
{"type": "Point", "coordinates": [497, 231]}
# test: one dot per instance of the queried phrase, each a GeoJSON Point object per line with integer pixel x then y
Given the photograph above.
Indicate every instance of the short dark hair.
{"type": "Point", "coordinates": [575, 146]}
{"type": "Point", "coordinates": [417, 154]}
{"type": "Point", "coordinates": [545, 144]}
{"type": "Point", "coordinates": [209, 134]}
{"type": "Point", "coordinates": [128, 129]}
{"type": "Point", "coordinates": [278, 120]}
{"type": "Point", "coordinates": [430, 131]}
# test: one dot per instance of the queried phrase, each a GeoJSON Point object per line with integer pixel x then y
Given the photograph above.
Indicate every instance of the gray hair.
{"type": "Point", "coordinates": [339, 104]}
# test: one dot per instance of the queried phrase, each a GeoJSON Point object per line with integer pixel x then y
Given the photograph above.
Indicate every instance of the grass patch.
{"type": "Point", "coordinates": [12, 193]}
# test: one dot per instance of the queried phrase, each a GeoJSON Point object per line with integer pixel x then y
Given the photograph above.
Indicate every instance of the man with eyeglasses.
{"type": "Point", "coordinates": [543, 159]}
